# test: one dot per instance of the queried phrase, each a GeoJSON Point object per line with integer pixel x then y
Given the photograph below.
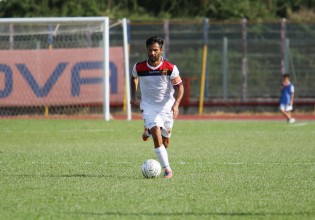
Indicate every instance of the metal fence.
{"type": "Point", "coordinates": [245, 60]}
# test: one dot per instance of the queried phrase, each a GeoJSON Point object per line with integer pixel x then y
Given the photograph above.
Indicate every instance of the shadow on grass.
{"type": "Point", "coordinates": [176, 214]}
{"type": "Point", "coordinates": [77, 175]}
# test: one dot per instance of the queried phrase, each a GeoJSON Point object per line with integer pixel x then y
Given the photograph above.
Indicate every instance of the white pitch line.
{"type": "Point", "coordinates": [299, 124]}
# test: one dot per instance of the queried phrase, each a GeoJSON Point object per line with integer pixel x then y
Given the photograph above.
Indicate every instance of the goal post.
{"type": "Point", "coordinates": [59, 64]}
{"type": "Point", "coordinates": [126, 53]}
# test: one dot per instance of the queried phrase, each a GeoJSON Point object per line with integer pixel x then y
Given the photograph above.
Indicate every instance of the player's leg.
{"type": "Point", "coordinates": [289, 113]}
{"type": "Point", "coordinates": [167, 128]}
{"type": "Point", "coordinates": [146, 134]}
{"type": "Point", "coordinates": [284, 112]}
{"type": "Point", "coordinates": [166, 141]}
{"type": "Point", "coordinates": [146, 117]}
{"type": "Point", "coordinates": [166, 131]}
{"type": "Point", "coordinates": [157, 136]}
{"type": "Point", "coordinates": [154, 121]}
{"type": "Point", "coordinates": [161, 151]}
{"type": "Point", "coordinates": [152, 124]}
{"type": "Point", "coordinates": [168, 173]}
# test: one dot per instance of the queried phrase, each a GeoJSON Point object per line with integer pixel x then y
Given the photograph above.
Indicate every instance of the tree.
{"type": "Point", "coordinates": [156, 9]}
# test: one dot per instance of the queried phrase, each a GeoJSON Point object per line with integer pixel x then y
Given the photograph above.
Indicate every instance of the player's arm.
{"type": "Point", "coordinates": [292, 99]}
{"type": "Point", "coordinates": [292, 95]}
{"type": "Point", "coordinates": [134, 86]}
{"type": "Point", "coordinates": [179, 93]}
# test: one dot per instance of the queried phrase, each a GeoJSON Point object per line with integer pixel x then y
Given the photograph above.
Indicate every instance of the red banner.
{"type": "Point", "coordinates": [59, 77]}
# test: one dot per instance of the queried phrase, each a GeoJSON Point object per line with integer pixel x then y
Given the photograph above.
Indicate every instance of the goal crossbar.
{"type": "Point", "coordinates": [53, 19]}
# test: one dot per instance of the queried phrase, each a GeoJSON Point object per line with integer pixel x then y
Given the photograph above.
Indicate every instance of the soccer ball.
{"type": "Point", "coordinates": [151, 168]}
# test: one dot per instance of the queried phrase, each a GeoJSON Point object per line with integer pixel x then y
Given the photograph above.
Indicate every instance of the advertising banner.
{"type": "Point", "coordinates": [59, 76]}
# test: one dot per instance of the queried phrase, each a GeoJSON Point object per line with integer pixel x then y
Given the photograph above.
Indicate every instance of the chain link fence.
{"type": "Point", "coordinates": [245, 60]}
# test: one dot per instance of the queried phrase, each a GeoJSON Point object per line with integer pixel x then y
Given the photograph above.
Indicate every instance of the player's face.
{"type": "Point", "coordinates": [285, 80]}
{"type": "Point", "coordinates": [154, 52]}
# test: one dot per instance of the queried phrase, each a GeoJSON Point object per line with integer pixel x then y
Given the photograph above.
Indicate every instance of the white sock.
{"type": "Point", "coordinates": [162, 156]}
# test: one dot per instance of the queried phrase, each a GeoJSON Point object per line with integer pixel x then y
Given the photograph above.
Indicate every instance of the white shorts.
{"type": "Point", "coordinates": [162, 119]}
{"type": "Point", "coordinates": [286, 108]}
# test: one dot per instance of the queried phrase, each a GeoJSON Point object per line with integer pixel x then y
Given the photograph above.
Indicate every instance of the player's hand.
{"type": "Point", "coordinates": [289, 108]}
{"type": "Point", "coordinates": [135, 102]}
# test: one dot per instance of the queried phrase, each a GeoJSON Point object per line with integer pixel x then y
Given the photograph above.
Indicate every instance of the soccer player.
{"type": "Point", "coordinates": [161, 90]}
{"type": "Point", "coordinates": [287, 98]}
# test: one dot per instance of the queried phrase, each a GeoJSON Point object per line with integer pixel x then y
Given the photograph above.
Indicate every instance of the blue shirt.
{"type": "Point", "coordinates": [286, 93]}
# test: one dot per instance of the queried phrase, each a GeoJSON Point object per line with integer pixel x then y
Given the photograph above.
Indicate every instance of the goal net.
{"type": "Point", "coordinates": [59, 67]}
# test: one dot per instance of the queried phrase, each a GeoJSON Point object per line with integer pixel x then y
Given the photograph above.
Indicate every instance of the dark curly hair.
{"type": "Point", "coordinates": [155, 39]}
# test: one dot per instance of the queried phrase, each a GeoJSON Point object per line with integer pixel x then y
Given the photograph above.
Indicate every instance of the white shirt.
{"type": "Point", "coordinates": [156, 84]}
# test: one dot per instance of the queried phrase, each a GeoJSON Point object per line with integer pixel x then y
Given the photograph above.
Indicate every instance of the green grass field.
{"type": "Point", "coordinates": [89, 169]}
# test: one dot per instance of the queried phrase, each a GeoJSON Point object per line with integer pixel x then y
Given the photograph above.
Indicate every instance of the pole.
{"type": "Point", "coordinates": [11, 38]}
{"type": "Point", "coordinates": [204, 64]}
{"type": "Point", "coordinates": [282, 42]}
{"type": "Point", "coordinates": [167, 38]}
{"type": "Point", "coordinates": [126, 53]}
{"type": "Point", "coordinates": [225, 68]}
{"type": "Point", "coordinates": [50, 47]}
{"type": "Point", "coordinates": [244, 59]}
{"type": "Point", "coordinates": [290, 60]}
{"type": "Point", "coordinates": [106, 68]}
{"type": "Point", "coordinates": [286, 55]}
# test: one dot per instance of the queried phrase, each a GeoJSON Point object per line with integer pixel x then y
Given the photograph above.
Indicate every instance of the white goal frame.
{"type": "Point", "coordinates": [105, 22]}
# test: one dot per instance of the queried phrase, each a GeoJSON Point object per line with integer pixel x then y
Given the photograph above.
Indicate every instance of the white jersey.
{"type": "Point", "coordinates": [157, 84]}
